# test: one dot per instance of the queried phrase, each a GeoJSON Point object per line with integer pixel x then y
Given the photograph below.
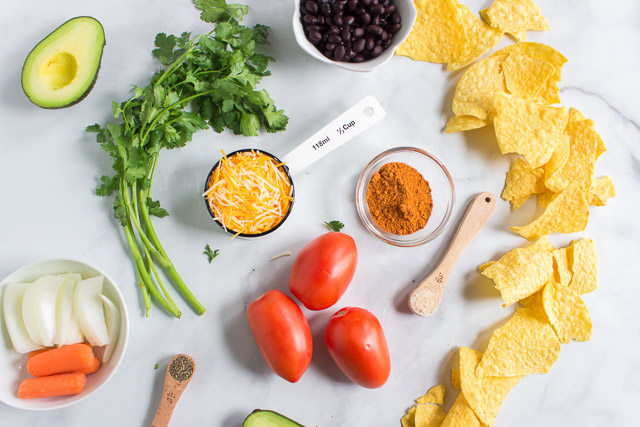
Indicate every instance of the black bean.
{"type": "Point", "coordinates": [348, 20]}
{"type": "Point", "coordinates": [334, 29]}
{"type": "Point", "coordinates": [385, 2]}
{"type": "Point", "coordinates": [358, 32]}
{"type": "Point", "coordinates": [335, 39]}
{"type": "Point", "coordinates": [347, 45]}
{"type": "Point", "coordinates": [365, 2]}
{"type": "Point", "coordinates": [320, 19]}
{"type": "Point", "coordinates": [384, 35]}
{"type": "Point", "coordinates": [328, 20]}
{"type": "Point", "coordinates": [374, 29]}
{"type": "Point", "coordinates": [310, 19]}
{"type": "Point", "coordinates": [365, 18]}
{"type": "Point", "coordinates": [331, 46]}
{"type": "Point", "coordinates": [390, 9]}
{"type": "Point", "coordinates": [315, 36]}
{"type": "Point", "coordinates": [394, 28]}
{"type": "Point", "coordinates": [345, 34]}
{"type": "Point", "coordinates": [377, 9]}
{"type": "Point", "coordinates": [349, 53]}
{"type": "Point", "coordinates": [325, 9]}
{"type": "Point", "coordinates": [386, 43]}
{"type": "Point", "coordinates": [395, 18]}
{"type": "Point", "coordinates": [359, 11]}
{"type": "Point", "coordinates": [358, 45]}
{"type": "Point", "coordinates": [353, 4]}
{"type": "Point", "coordinates": [311, 28]}
{"type": "Point", "coordinates": [376, 51]}
{"type": "Point", "coordinates": [338, 53]}
{"type": "Point", "coordinates": [337, 19]}
{"type": "Point", "coordinates": [370, 44]}
{"type": "Point", "coordinates": [358, 58]}
{"type": "Point", "coordinates": [311, 6]}
{"type": "Point", "coordinates": [375, 20]}
{"type": "Point", "coordinates": [378, 42]}
{"type": "Point", "coordinates": [374, 1]}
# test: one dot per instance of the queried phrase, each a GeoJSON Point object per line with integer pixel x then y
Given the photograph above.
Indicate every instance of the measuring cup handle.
{"type": "Point", "coordinates": [343, 128]}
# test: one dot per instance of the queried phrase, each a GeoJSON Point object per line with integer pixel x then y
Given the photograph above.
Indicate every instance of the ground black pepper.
{"type": "Point", "coordinates": [181, 368]}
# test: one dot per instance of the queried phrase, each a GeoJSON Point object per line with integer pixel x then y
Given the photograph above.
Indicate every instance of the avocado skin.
{"type": "Point", "coordinates": [82, 96]}
{"type": "Point", "coordinates": [266, 418]}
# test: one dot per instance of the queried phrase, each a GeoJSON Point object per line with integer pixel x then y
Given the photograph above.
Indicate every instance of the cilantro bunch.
{"type": "Point", "coordinates": [206, 81]}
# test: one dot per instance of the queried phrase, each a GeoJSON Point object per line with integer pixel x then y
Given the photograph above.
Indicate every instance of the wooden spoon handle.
{"type": "Point", "coordinates": [170, 395]}
{"type": "Point", "coordinates": [425, 299]}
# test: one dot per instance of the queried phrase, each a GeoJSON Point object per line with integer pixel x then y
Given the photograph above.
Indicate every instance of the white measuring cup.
{"type": "Point", "coordinates": [360, 117]}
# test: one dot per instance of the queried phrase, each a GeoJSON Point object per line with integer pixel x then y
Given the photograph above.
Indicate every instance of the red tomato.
{"type": "Point", "coordinates": [323, 269]}
{"type": "Point", "coordinates": [282, 333]}
{"type": "Point", "coordinates": [357, 344]}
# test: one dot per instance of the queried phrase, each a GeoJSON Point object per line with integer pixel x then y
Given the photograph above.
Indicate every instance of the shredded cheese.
{"type": "Point", "coordinates": [249, 193]}
{"type": "Point", "coordinates": [281, 255]}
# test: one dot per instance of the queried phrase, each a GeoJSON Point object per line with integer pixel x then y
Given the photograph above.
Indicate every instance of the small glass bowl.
{"type": "Point", "coordinates": [442, 193]}
{"type": "Point", "coordinates": [246, 235]}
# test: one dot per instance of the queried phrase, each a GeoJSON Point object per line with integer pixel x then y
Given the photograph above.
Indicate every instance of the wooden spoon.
{"type": "Point", "coordinates": [425, 299]}
{"type": "Point", "coordinates": [179, 374]}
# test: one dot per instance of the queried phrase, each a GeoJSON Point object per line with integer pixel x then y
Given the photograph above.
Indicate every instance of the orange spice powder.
{"type": "Point", "coordinates": [399, 199]}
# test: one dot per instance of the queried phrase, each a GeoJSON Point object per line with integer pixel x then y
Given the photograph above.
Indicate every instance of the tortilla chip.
{"type": "Point", "coordinates": [534, 303]}
{"type": "Point", "coordinates": [537, 50]}
{"type": "Point", "coordinates": [408, 420]}
{"type": "Point", "coordinates": [567, 313]}
{"type": "Point", "coordinates": [526, 344]}
{"type": "Point", "coordinates": [549, 94]}
{"type": "Point", "coordinates": [581, 160]}
{"type": "Point", "coordinates": [525, 75]}
{"type": "Point", "coordinates": [568, 212]}
{"type": "Point", "coordinates": [584, 265]}
{"type": "Point", "coordinates": [558, 158]}
{"type": "Point", "coordinates": [562, 266]}
{"type": "Point", "coordinates": [521, 182]}
{"type": "Point", "coordinates": [481, 37]}
{"type": "Point", "coordinates": [484, 266]}
{"type": "Point", "coordinates": [545, 198]}
{"type": "Point", "coordinates": [429, 415]}
{"type": "Point", "coordinates": [601, 190]}
{"type": "Point", "coordinates": [575, 115]}
{"type": "Point", "coordinates": [433, 395]}
{"type": "Point", "coordinates": [462, 123]}
{"type": "Point", "coordinates": [515, 17]}
{"type": "Point", "coordinates": [455, 378]}
{"type": "Point", "coordinates": [523, 271]}
{"type": "Point", "coordinates": [438, 34]}
{"type": "Point", "coordinates": [476, 89]}
{"type": "Point", "coordinates": [530, 129]}
{"type": "Point", "coordinates": [484, 394]}
{"type": "Point", "coordinates": [461, 415]}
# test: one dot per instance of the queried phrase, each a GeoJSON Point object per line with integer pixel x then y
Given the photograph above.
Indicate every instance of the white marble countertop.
{"type": "Point", "coordinates": [49, 168]}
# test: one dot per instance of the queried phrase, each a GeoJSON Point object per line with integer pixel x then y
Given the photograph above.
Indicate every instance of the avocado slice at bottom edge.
{"type": "Point", "coordinates": [266, 418]}
{"type": "Point", "coordinates": [62, 68]}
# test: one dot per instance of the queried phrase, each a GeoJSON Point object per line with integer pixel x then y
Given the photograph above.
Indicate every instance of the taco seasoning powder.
{"type": "Point", "coordinates": [399, 199]}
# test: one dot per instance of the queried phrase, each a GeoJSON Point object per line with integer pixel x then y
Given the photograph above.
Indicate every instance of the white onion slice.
{"type": "Point", "coordinates": [112, 316]}
{"type": "Point", "coordinates": [12, 309]}
{"type": "Point", "coordinates": [67, 329]}
{"type": "Point", "coordinates": [39, 309]}
{"type": "Point", "coordinates": [88, 311]}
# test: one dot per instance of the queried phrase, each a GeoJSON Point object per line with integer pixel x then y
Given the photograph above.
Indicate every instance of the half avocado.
{"type": "Point", "coordinates": [265, 418]}
{"type": "Point", "coordinates": [62, 69]}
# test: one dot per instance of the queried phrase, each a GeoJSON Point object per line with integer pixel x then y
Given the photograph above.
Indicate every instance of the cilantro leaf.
{"type": "Point", "coordinates": [334, 225]}
{"type": "Point", "coordinates": [210, 253]}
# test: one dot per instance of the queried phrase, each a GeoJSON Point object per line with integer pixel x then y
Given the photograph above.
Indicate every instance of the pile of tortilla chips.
{"type": "Point", "coordinates": [513, 89]}
{"type": "Point", "coordinates": [448, 32]}
{"type": "Point", "coordinates": [548, 283]}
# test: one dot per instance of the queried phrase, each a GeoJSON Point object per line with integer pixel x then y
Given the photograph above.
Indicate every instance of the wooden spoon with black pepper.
{"type": "Point", "coordinates": [179, 373]}
{"type": "Point", "coordinates": [425, 299]}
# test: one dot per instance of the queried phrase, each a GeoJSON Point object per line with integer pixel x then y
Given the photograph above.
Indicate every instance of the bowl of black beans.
{"type": "Point", "coordinates": [359, 35]}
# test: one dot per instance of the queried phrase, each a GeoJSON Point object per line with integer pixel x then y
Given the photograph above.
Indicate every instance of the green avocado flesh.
{"type": "Point", "coordinates": [62, 69]}
{"type": "Point", "coordinates": [260, 418]}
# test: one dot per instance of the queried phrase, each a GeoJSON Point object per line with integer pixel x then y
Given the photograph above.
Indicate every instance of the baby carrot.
{"type": "Point", "coordinates": [68, 358]}
{"type": "Point", "coordinates": [91, 369]}
{"type": "Point", "coordinates": [34, 352]}
{"type": "Point", "coordinates": [52, 385]}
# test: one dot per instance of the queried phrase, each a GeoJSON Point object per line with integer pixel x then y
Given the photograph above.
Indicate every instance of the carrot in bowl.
{"type": "Point", "coordinates": [52, 385]}
{"type": "Point", "coordinates": [68, 358]}
{"type": "Point", "coordinates": [91, 369]}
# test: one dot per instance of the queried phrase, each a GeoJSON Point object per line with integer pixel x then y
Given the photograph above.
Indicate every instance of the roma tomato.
{"type": "Point", "coordinates": [323, 269]}
{"type": "Point", "coordinates": [282, 334]}
{"type": "Point", "coordinates": [357, 344]}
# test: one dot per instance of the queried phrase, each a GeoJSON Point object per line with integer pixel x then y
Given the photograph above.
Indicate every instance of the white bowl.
{"type": "Point", "coordinates": [13, 365]}
{"type": "Point", "coordinates": [405, 9]}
